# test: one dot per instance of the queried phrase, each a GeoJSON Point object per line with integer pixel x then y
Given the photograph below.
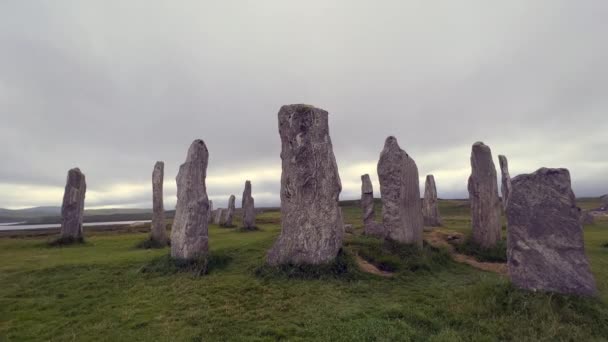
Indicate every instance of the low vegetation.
{"type": "Point", "coordinates": [497, 253]}
{"type": "Point", "coordinates": [108, 290]}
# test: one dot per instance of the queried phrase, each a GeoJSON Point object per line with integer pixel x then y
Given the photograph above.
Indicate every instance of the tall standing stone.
{"type": "Point", "coordinates": [219, 213]}
{"type": "Point", "coordinates": [72, 208]}
{"type": "Point", "coordinates": [483, 195]}
{"type": "Point", "coordinates": [311, 231]}
{"type": "Point", "coordinates": [190, 233]}
{"type": "Point", "coordinates": [430, 204]}
{"type": "Point", "coordinates": [505, 180]}
{"type": "Point", "coordinates": [211, 213]}
{"type": "Point", "coordinates": [248, 205]}
{"type": "Point", "coordinates": [158, 232]}
{"type": "Point", "coordinates": [545, 248]}
{"type": "Point", "coordinates": [400, 192]}
{"type": "Point", "coordinates": [370, 226]}
{"type": "Point", "coordinates": [230, 212]}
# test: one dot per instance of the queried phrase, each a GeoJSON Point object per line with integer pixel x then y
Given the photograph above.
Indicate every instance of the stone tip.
{"type": "Point", "coordinates": [391, 141]}
{"type": "Point", "coordinates": [428, 177]}
{"type": "Point", "coordinates": [197, 148]}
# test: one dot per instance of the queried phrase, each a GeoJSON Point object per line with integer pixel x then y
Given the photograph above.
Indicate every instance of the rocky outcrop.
{"type": "Point", "coordinates": [483, 195]}
{"type": "Point", "coordinates": [311, 231]}
{"type": "Point", "coordinates": [400, 192]}
{"type": "Point", "coordinates": [158, 230]}
{"type": "Point", "coordinates": [430, 204]}
{"type": "Point", "coordinates": [72, 208]}
{"type": "Point", "coordinates": [505, 179]}
{"type": "Point", "coordinates": [229, 213]}
{"type": "Point", "coordinates": [546, 249]}
{"type": "Point", "coordinates": [190, 234]}
{"type": "Point", "coordinates": [248, 205]}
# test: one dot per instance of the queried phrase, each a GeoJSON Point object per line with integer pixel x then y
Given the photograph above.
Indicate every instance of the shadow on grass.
{"type": "Point", "coordinates": [152, 244]}
{"type": "Point", "coordinates": [494, 254]}
{"type": "Point", "coordinates": [392, 256]}
{"type": "Point", "coordinates": [605, 245]}
{"type": "Point", "coordinates": [65, 241]}
{"type": "Point", "coordinates": [165, 265]}
{"type": "Point", "coordinates": [249, 229]}
{"type": "Point", "coordinates": [342, 268]}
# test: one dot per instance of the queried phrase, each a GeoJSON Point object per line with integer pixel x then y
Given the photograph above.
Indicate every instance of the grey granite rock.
{"type": "Point", "coordinates": [483, 195]}
{"type": "Point", "coordinates": [546, 250]}
{"type": "Point", "coordinates": [211, 214]}
{"type": "Point", "coordinates": [400, 192]}
{"type": "Point", "coordinates": [228, 219]}
{"type": "Point", "coordinates": [430, 204]}
{"type": "Point", "coordinates": [72, 208]}
{"type": "Point", "coordinates": [311, 231]}
{"type": "Point", "coordinates": [505, 179]}
{"type": "Point", "coordinates": [219, 214]}
{"type": "Point", "coordinates": [158, 230]}
{"type": "Point", "coordinates": [190, 234]}
{"type": "Point", "coordinates": [248, 205]}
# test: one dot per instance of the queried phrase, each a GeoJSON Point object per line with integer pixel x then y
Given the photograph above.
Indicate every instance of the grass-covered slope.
{"type": "Point", "coordinates": [109, 290]}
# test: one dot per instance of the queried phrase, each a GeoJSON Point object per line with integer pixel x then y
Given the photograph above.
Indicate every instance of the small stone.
{"type": "Point", "coordinates": [505, 179]}
{"type": "Point", "coordinates": [545, 246]}
{"type": "Point", "coordinates": [311, 230]}
{"type": "Point", "coordinates": [158, 231]}
{"type": "Point", "coordinates": [430, 204]}
{"type": "Point", "coordinates": [190, 233]}
{"type": "Point", "coordinates": [72, 208]}
{"type": "Point", "coordinates": [483, 195]}
{"type": "Point", "coordinates": [400, 192]}
{"type": "Point", "coordinates": [248, 205]}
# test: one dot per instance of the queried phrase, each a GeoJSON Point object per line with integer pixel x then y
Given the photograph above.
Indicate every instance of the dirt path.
{"type": "Point", "coordinates": [371, 269]}
{"type": "Point", "coordinates": [440, 238]}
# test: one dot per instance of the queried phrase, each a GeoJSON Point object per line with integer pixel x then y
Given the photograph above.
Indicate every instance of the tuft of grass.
{"type": "Point", "coordinates": [392, 256]}
{"type": "Point", "coordinates": [494, 254]}
{"type": "Point", "coordinates": [66, 241]}
{"type": "Point", "coordinates": [166, 265]}
{"type": "Point", "coordinates": [248, 230]}
{"type": "Point", "coordinates": [342, 268]}
{"type": "Point", "coordinates": [152, 244]}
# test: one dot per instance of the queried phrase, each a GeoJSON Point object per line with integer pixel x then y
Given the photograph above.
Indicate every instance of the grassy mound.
{"type": "Point", "coordinates": [494, 254]}
{"type": "Point", "coordinates": [392, 256]}
{"type": "Point", "coordinates": [166, 265]}
{"type": "Point", "coordinates": [152, 244]}
{"type": "Point", "coordinates": [65, 241]}
{"type": "Point", "coordinates": [343, 268]}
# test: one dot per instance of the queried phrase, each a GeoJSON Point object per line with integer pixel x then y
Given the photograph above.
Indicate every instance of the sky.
{"type": "Point", "coordinates": [113, 86]}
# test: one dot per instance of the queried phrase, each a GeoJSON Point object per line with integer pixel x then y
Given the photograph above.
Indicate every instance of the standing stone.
{"type": "Point", "coordinates": [248, 205]}
{"type": "Point", "coordinates": [483, 194]}
{"type": "Point", "coordinates": [400, 192]}
{"type": "Point", "coordinates": [545, 248]}
{"type": "Point", "coordinates": [430, 204]}
{"type": "Point", "coordinates": [505, 179]}
{"type": "Point", "coordinates": [230, 212]}
{"type": "Point", "coordinates": [190, 233]}
{"type": "Point", "coordinates": [72, 208]}
{"type": "Point", "coordinates": [370, 226]}
{"type": "Point", "coordinates": [219, 213]}
{"type": "Point", "coordinates": [158, 232]}
{"type": "Point", "coordinates": [211, 213]}
{"type": "Point", "coordinates": [311, 231]}
{"type": "Point", "coordinates": [586, 217]}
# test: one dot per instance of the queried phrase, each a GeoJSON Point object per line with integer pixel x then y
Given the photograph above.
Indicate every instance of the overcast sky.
{"type": "Point", "coordinates": [113, 86]}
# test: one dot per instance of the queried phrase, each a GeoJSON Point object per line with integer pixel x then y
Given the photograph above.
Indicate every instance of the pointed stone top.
{"type": "Point", "coordinates": [75, 177]}
{"type": "Point", "coordinates": [391, 142]}
{"type": "Point", "coordinates": [197, 151]}
{"type": "Point", "coordinates": [159, 165]}
{"type": "Point", "coordinates": [366, 184]}
{"type": "Point", "coordinates": [430, 178]}
{"type": "Point", "coordinates": [75, 170]}
{"type": "Point", "coordinates": [504, 163]}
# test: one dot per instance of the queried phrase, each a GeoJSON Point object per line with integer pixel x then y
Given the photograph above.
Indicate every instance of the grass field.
{"type": "Point", "coordinates": [99, 291]}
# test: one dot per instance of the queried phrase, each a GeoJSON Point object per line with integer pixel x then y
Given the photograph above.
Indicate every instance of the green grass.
{"type": "Point", "coordinates": [497, 253]}
{"type": "Point", "coordinates": [108, 290]}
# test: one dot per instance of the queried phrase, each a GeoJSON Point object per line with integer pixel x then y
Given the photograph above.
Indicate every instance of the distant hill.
{"type": "Point", "coordinates": [53, 214]}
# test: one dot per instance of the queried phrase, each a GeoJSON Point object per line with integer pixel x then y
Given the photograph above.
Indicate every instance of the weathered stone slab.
{"type": "Point", "coordinates": [505, 180]}
{"type": "Point", "coordinates": [370, 226]}
{"type": "Point", "coordinates": [229, 212]}
{"type": "Point", "coordinates": [430, 204]}
{"type": "Point", "coordinates": [483, 194]}
{"type": "Point", "coordinates": [311, 231]}
{"type": "Point", "coordinates": [190, 234]}
{"type": "Point", "coordinates": [72, 208]}
{"type": "Point", "coordinates": [400, 192]}
{"type": "Point", "coordinates": [158, 230]}
{"type": "Point", "coordinates": [546, 250]}
{"type": "Point", "coordinates": [248, 205]}
{"type": "Point", "coordinates": [219, 214]}
{"type": "Point", "coordinates": [211, 214]}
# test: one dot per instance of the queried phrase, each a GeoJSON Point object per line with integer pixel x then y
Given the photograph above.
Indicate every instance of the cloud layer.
{"type": "Point", "coordinates": [113, 86]}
